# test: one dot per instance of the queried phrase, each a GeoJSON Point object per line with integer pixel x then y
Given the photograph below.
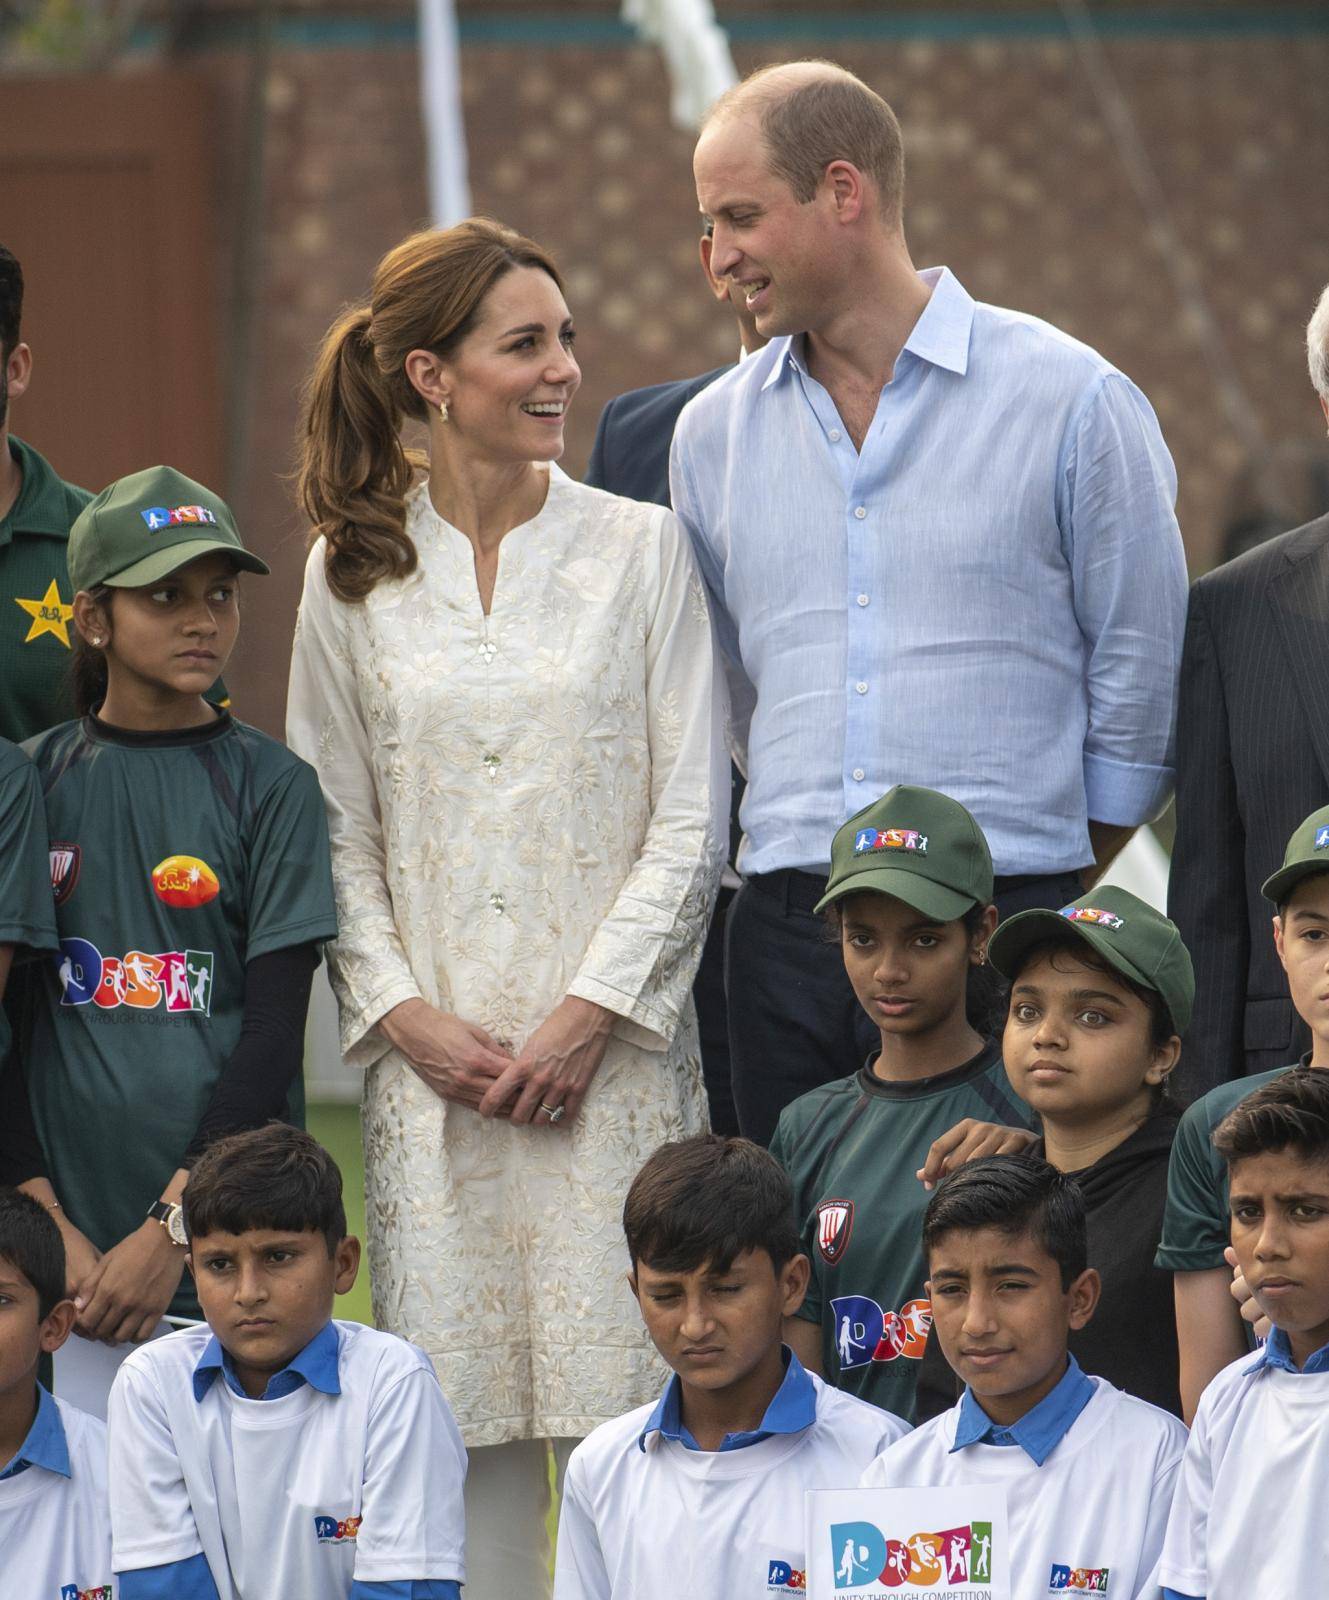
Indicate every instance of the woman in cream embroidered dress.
{"type": "Point", "coordinates": [511, 712]}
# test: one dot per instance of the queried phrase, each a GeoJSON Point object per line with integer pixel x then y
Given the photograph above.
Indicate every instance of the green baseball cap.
{"type": "Point", "coordinates": [152, 522]}
{"type": "Point", "coordinates": [1137, 941]}
{"type": "Point", "coordinates": [1307, 853]}
{"type": "Point", "coordinates": [920, 846]}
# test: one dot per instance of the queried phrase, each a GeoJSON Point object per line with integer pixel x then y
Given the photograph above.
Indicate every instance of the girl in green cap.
{"type": "Point", "coordinates": [1100, 994]}
{"type": "Point", "coordinates": [192, 890]}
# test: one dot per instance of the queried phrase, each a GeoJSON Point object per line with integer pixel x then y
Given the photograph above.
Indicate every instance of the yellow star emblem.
{"type": "Point", "coordinates": [49, 615]}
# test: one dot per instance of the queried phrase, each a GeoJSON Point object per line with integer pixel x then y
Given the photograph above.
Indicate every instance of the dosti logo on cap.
{"type": "Point", "coordinates": [1322, 838]}
{"type": "Point", "coordinates": [158, 517]}
{"type": "Point", "coordinates": [890, 839]}
{"type": "Point", "coordinates": [1101, 919]}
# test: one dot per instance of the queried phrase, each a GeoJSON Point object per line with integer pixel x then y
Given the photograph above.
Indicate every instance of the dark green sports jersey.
{"type": "Point", "coordinates": [36, 603]}
{"type": "Point", "coordinates": [27, 918]}
{"type": "Point", "coordinates": [851, 1150]}
{"type": "Point", "coordinates": [176, 859]}
{"type": "Point", "coordinates": [1196, 1228]}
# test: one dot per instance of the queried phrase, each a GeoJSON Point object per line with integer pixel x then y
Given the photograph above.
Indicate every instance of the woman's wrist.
{"type": "Point", "coordinates": [398, 1025]}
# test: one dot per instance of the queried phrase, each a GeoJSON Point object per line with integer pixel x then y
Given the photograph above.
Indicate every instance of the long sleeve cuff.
{"type": "Point", "coordinates": [1125, 795]}
{"type": "Point", "coordinates": [407, 1589]}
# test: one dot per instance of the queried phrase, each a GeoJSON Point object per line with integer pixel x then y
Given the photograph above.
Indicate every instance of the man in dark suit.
{"type": "Point", "coordinates": [1252, 763]}
{"type": "Point", "coordinates": [631, 457]}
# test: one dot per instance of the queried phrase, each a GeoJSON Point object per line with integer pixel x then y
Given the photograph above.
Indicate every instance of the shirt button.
{"type": "Point", "coordinates": [859, 774]}
{"type": "Point", "coordinates": [860, 688]}
{"type": "Point", "coordinates": [496, 903]}
{"type": "Point", "coordinates": [862, 599]}
{"type": "Point", "coordinates": [860, 512]}
{"type": "Point", "coordinates": [834, 436]}
{"type": "Point", "coordinates": [491, 765]}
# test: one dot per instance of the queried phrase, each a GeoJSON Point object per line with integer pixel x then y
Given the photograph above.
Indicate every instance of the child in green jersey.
{"type": "Point", "coordinates": [1196, 1224]}
{"type": "Point", "coordinates": [192, 891]}
{"type": "Point", "coordinates": [911, 891]}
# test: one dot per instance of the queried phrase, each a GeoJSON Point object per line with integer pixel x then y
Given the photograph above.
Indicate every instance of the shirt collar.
{"type": "Point", "coordinates": [40, 507]}
{"type": "Point", "coordinates": [1039, 1431]}
{"type": "Point", "coordinates": [1277, 1352]}
{"type": "Point", "coordinates": [45, 1445]}
{"type": "Point", "coordinates": [315, 1365]}
{"type": "Point", "coordinates": [793, 1407]}
{"type": "Point", "coordinates": [940, 336]}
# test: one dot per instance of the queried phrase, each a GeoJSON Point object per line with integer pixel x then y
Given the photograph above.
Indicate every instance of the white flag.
{"type": "Point", "coordinates": [696, 51]}
{"type": "Point", "coordinates": [440, 106]}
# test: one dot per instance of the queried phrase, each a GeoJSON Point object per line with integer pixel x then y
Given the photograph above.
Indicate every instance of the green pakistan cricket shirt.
{"type": "Point", "coordinates": [176, 858]}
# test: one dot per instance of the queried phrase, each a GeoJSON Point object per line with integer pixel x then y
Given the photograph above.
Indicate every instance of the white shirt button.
{"type": "Point", "coordinates": [861, 687]}
{"type": "Point", "coordinates": [834, 436]}
{"type": "Point", "coordinates": [862, 599]}
{"type": "Point", "coordinates": [859, 774]}
{"type": "Point", "coordinates": [860, 512]}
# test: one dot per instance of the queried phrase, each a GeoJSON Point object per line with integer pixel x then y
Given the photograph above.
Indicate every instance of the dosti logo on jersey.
{"type": "Point", "coordinates": [336, 1530]}
{"type": "Point", "coordinates": [835, 1222]}
{"type": "Point", "coordinates": [178, 980]}
{"type": "Point", "coordinates": [1077, 1580]}
{"type": "Point", "coordinates": [782, 1577]}
{"type": "Point", "coordinates": [184, 882]}
{"type": "Point", "coordinates": [71, 1591]}
{"type": "Point", "coordinates": [865, 1333]}
{"type": "Point", "coordinates": [66, 859]}
{"type": "Point", "coordinates": [863, 1554]}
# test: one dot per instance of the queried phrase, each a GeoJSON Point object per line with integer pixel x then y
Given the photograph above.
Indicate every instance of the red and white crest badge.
{"type": "Point", "coordinates": [835, 1222]}
{"type": "Point", "coordinates": [65, 862]}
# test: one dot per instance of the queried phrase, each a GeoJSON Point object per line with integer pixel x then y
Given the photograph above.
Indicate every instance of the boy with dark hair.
{"type": "Point", "coordinates": [702, 1493]}
{"type": "Point", "coordinates": [1088, 1470]}
{"type": "Point", "coordinates": [1248, 1517]}
{"type": "Point", "coordinates": [276, 1451]}
{"type": "Point", "coordinates": [55, 1534]}
{"type": "Point", "coordinates": [910, 901]}
{"type": "Point", "coordinates": [1195, 1245]}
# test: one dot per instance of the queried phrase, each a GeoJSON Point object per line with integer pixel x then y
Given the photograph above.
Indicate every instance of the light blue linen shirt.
{"type": "Point", "coordinates": [988, 600]}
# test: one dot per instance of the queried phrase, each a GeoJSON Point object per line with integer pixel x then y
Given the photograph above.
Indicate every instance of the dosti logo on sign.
{"type": "Point", "coordinates": [863, 1554]}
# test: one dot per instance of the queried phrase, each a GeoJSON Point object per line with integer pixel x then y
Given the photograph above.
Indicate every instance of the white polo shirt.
{"type": "Point", "coordinates": [55, 1530]}
{"type": "Point", "coordinates": [1098, 1504]}
{"type": "Point", "coordinates": [646, 1518]}
{"type": "Point", "coordinates": [295, 1497]}
{"type": "Point", "coordinates": [1248, 1518]}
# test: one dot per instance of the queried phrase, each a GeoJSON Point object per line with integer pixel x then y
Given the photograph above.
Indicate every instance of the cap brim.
{"type": "Point", "coordinates": [931, 898]}
{"type": "Point", "coordinates": [163, 562]}
{"type": "Point", "coordinates": [1014, 938]}
{"type": "Point", "coordinates": [1285, 880]}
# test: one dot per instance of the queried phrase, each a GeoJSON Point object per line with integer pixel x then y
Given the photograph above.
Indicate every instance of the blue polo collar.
{"type": "Point", "coordinates": [45, 1445]}
{"type": "Point", "coordinates": [793, 1407]}
{"type": "Point", "coordinates": [315, 1365]}
{"type": "Point", "coordinates": [940, 336]}
{"type": "Point", "coordinates": [1277, 1352]}
{"type": "Point", "coordinates": [1038, 1432]}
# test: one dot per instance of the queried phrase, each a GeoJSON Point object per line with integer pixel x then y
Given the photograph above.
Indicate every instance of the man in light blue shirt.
{"type": "Point", "coordinates": [941, 550]}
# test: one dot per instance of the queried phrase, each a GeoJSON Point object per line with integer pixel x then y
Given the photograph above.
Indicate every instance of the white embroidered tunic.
{"type": "Point", "coordinates": [523, 806]}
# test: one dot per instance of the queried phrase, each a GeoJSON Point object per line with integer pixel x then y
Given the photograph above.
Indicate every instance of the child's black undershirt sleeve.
{"type": "Point", "coordinates": [257, 1078]}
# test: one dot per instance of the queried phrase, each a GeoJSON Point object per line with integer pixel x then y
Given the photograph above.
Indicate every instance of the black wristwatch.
{"type": "Point", "coordinates": [172, 1218]}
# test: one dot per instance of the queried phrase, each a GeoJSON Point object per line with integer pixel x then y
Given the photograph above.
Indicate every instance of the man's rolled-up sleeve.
{"type": "Point", "coordinates": [1128, 570]}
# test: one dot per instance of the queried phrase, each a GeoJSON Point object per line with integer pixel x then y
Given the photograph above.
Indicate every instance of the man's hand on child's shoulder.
{"type": "Point", "coordinates": [966, 1141]}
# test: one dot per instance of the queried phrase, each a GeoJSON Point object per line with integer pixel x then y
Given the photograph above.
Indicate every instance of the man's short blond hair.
{"type": "Point", "coordinates": [1317, 346]}
{"type": "Point", "coordinates": [814, 112]}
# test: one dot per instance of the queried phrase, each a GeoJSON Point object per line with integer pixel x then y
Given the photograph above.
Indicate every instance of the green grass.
{"type": "Point", "coordinates": [337, 1127]}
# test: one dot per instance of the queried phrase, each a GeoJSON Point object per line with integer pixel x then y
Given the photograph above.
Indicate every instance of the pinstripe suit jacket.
{"type": "Point", "coordinates": [1252, 762]}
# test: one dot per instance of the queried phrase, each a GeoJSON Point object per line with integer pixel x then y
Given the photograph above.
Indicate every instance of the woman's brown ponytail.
{"type": "Point", "coordinates": [354, 471]}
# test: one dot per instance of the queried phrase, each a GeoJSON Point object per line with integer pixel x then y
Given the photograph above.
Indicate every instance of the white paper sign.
{"type": "Point", "coordinates": [933, 1544]}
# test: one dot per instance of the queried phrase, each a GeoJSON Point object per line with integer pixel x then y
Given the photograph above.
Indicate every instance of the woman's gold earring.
{"type": "Point", "coordinates": [442, 411]}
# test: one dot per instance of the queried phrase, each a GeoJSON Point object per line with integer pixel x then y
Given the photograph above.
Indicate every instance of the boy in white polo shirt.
{"type": "Point", "coordinates": [1088, 1469]}
{"type": "Point", "coordinates": [55, 1531]}
{"type": "Point", "coordinates": [702, 1493]}
{"type": "Point", "coordinates": [1248, 1517]}
{"type": "Point", "coordinates": [277, 1454]}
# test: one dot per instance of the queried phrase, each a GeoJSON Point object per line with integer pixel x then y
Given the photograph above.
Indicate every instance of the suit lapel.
{"type": "Point", "coordinates": [1299, 596]}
